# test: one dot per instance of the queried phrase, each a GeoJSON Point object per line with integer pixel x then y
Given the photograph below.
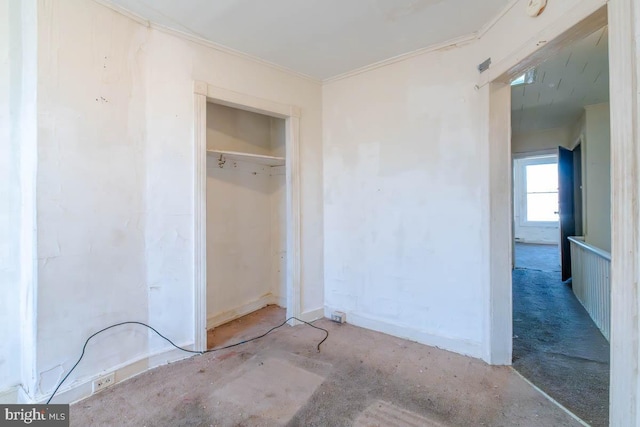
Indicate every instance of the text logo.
{"type": "Point", "coordinates": [34, 415]}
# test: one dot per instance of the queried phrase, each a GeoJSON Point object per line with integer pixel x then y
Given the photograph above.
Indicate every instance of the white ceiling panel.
{"type": "Point", "coordinates": [321, 38]}
{"type": "Point", "coordinates": [575, 77]}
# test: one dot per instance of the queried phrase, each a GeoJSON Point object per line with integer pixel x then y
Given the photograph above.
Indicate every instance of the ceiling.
{"type": "Point", "coordinates": [577, 76]}
{"type": "Point", "coordinates": [321, 38]}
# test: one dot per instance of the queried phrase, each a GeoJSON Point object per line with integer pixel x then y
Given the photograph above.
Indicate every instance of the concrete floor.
{"type": "Point", "coordinates": [360, 378]}
{"type": "Point", "coordinates": [556, 345]}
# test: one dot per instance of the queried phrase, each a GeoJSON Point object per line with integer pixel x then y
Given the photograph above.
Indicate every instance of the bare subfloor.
{"type": "Point", "coordinates": [360, 378]}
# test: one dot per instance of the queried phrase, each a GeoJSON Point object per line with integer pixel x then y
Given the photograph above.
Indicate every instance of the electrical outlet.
{"type": "Point", "coordinates": [104, 382]}
{"type": "Point", "coordinates": [338, 316]}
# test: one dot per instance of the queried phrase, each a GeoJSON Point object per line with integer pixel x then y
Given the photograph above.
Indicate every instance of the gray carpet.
{"type": "Point", "coordinates": [556, 345]}
{"type": "Point", "coordinates": [537, 257]}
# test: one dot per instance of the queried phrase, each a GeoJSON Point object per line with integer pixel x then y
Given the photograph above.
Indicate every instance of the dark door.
{"type": "Point", "coordinates": [566, 205]}
{"type": "Point", "coordinates": [577, 188]}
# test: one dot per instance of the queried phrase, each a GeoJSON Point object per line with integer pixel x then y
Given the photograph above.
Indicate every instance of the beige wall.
{"type": "Point", "coordinates": [594, 131]}
{"type": "Point", "coordinates": [596, 175]}
{"type": "Point", "coordinates": [542, 140]}
{"type": "Point", "coordinates": [232, 129]}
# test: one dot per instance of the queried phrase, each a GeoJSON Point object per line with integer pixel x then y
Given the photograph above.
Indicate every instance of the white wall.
{"type": "Point", "coordinates": [624, 63]}
{"type": "Point", "coordinates": [91, 191]}
{"type": "Point", "coordinates": [10, 82]}
{"type": "Point", "coordinates": [406, 186]}
{"type": "Point", "coordinates": [278, 238]}
{"type": "Point", "coordinates": [597, 176]}
{"type": "Point", "coordinates": [403, 200]}
{"type": "Point", "coordinates": [18, 88]}
{"type": "Point", "coordinates": [245, 216]}
{"type": "Point", "coordinates": [171, 59]}
{"type": "Point", "coordinates": [240, 250]}
{"type": "Point", "coordinates": [115, 157]}
{"type": "Point", "coordinates": [115, 195]}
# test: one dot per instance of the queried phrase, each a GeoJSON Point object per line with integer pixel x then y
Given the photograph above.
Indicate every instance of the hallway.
{"type": "Point", "coordinates": [556, 345]}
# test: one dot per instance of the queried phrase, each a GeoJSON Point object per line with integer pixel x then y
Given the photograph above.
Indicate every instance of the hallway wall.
{"type": "Point", "coordinates": [597, 176]}
{"type": "Point", "coordinates": [541, 140]}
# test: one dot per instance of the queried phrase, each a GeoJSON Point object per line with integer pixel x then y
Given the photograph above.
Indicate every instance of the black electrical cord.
{"type": "Point", "coordinates": [84, 347]}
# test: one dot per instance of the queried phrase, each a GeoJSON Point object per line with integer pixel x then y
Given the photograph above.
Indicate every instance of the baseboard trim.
{"type": "Point", "coordinates": [460, 346]}
{"type": "Point", "coordinates": [77, 391]}
{"type": "Point", "coordinates": [311, 315]}
{"type": "Point", "coordinates": [536, 242]}
{"type": "Point", "coordinates": [243, 310]}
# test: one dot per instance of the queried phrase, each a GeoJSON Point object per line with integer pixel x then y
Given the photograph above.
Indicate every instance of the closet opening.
{"type": "Point", "coordinates": [246, 235]}
{"type": "Point", "coordinates": [246, 211]}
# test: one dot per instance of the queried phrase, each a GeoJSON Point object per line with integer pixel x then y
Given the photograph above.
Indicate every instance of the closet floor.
{"type": "Point", "coordinates": [243, 327]}
{"type": "Point", "coordinates": [360, 378]}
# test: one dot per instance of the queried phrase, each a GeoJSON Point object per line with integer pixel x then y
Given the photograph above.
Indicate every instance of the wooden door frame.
{"type": "Point", "coordinates": [623, 19]}
{"type": "Point", "coordinates": [204, 93]}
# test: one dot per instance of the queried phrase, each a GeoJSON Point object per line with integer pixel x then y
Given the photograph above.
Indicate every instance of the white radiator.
{"type": "Point", "coordinates": [591, 281]}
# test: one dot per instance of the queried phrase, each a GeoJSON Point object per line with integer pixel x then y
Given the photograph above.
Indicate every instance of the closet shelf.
{"type": "Point", "coordinates": [248, 157]}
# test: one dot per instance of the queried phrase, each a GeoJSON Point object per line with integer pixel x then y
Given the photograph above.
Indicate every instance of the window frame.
{"type": "Point", "coordinates": [520, 179]}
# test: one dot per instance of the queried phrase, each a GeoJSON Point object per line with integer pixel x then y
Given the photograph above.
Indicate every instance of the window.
{"type": "Point", "coordinates": [536, 191]}
{"type": "Point", "coordinates": [542, 192]}
{"type": "Point", "coordinates": [525, 79]}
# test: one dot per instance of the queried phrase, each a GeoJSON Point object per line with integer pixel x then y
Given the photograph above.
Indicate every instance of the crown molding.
{"type": "Point", "coordinates": [203, 42]}
{"type": "Point", "coordinates": [458, 41]}
{"type": "Point", "coordinates": [122, 11]}
{"type": "Point", "coordinates": [455, 42]}
{"type": "Point", "coordinates": [215, 46]}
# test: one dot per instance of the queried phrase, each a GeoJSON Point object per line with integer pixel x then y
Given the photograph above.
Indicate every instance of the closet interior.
{"type": "Point", "coordinates": [246, 219]}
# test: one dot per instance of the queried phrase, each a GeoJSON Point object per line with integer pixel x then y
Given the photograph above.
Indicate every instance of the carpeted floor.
{"type": "Point", "coordinates": [360, 378]}
{"type": "Point", "coordinates": [556, 345]}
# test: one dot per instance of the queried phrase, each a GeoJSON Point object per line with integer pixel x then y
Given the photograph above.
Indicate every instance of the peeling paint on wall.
{"type": "Point", "coordinates": [115, 180]}
{"type": "Point", "coordinates": [49, 379]}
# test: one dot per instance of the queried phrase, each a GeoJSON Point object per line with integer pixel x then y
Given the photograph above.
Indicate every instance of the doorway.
{"type": "Point", "coordinates": [246, 221]}
{"type": "Point", "coordinates": [557, 343]}
{"type": "Point", "coordinates": [585, 17]}
{"type": "Point", "coordinates": [246, 167]}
